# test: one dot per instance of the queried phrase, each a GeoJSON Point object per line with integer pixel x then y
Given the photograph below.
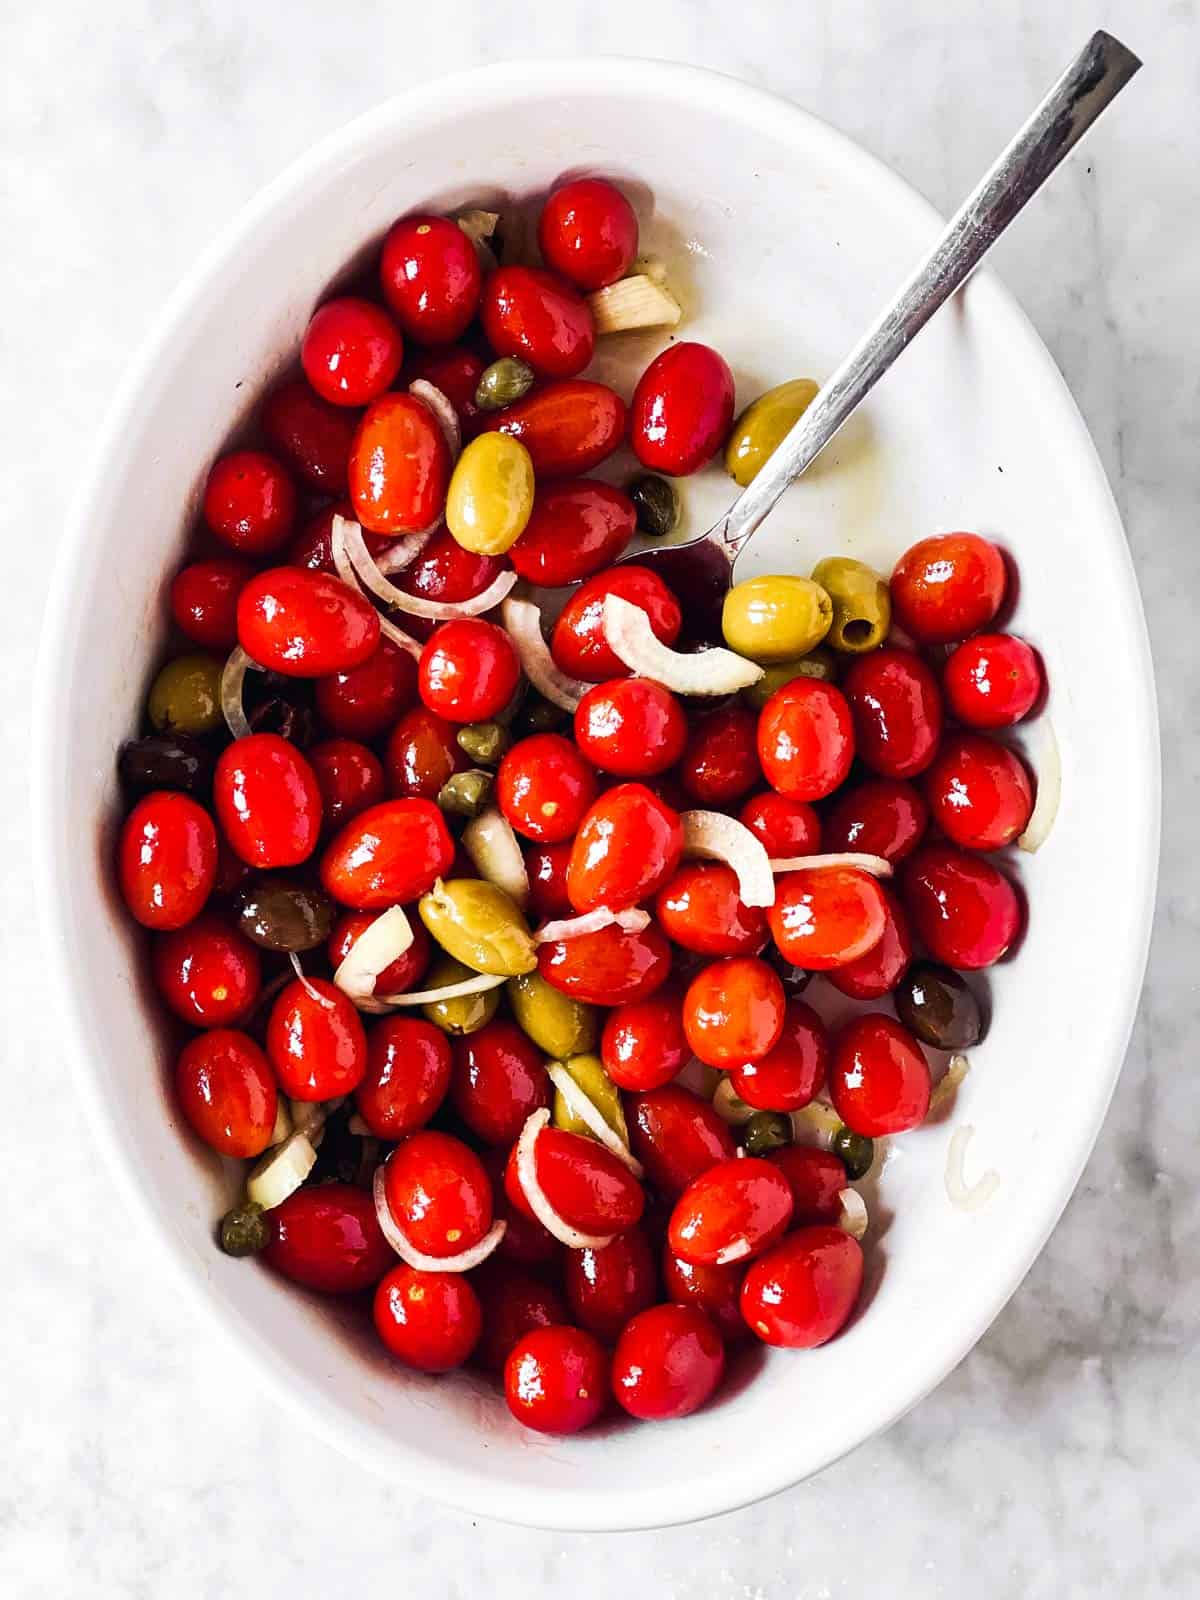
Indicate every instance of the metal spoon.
{"type": "Point", "coordinates": [700, 571]}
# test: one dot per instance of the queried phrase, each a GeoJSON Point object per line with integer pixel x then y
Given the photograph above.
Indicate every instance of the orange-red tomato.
{"type": "Point", "coordinates": [167, 859]}
{"type": "Point", "coordinates": [268, 801]}
{"type": "Point", "coordinates": [578, 527]}
{"type": "Point", "coordinates": [806, 739]}
{"type": "Point", "coordinates": [208, 972]}
{"type": "Point", "coordinates": [431, 278]}
{"type": "Point", "coordinates": [879, 1079]}
{"type": "Point", "coordinates": [408, 1074]}
{"type": "Point", "coordinates": [682, 409]}
{"type": "Point", "coordinates": [544, 788]}
{"type": "Point", "coordinates": [428, 1320]}
{"type": "Point", "coordinates": [734, 1011]}
{"type": "Point", "coordinates": [387, 855]}
{"type": "Point", "coordinates": [540, 317]}
{"type": "Point", "coordinates": [791, 1073]}
{"type": "Point", "coordinates": [826, 916]}
{"type": "Point", "coordinates": [801, 1293]}
{"type": "Point", "coordinates": [567, 427]}
{"type": "Point", "coordinates": [329, 1239]}
{"type": "Point", "coordinates": [609, 967]}
{"type": "Point", "coordinates": [628, 844]}
{"type": "Point", "coordinates": [578, 643]}
{"type": "Point", "coordinates": [732, 1212]}
{"type": "Point", "coordinates": [643, 1044]}
{"type": "Point", "coordinates": [699, 908]}
{"type": "Point", "coordinates": [438, 1193]}
{"type": "Point", "coordinates": [948, 586]}
{"type": "Point", "coordinates": [588, 231]}
{"type": "Point", "coordinates": [676, 1136]}
{"type": "Point", "coordinates": [399, 466]}
{"type": "Point", "coordinates": [315, 1041]}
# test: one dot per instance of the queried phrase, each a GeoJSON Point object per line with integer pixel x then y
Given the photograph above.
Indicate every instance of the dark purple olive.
{"type": "Point", "coordinates": [936, 1004]}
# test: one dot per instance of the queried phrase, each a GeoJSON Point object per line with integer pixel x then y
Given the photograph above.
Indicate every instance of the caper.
{"type": "Point", "coordinates": [166, 761]}
{"type": "Point", "coordinates": [862, 604]}
{"type": "Point", "coordinates": [484, 742]}
{"type": "Point", "coordinates": [480, 925]}
{"type": "Point", "coordinates": [818, 663]}
{"type": "Point", "coordinates": [766, 1130]}
{"type": "Point", "coordinates": [776, 617]}
{"type": "Point", "coordinates": [283, 913]}
{"type": "Point", "coordinates": [556, 1023]}
{"type": "Point", "coordinates": [588, 1072]}
{"type": "Point", "coordinates": [657, 504]}
{"type": "Point", "coordinates": [538, 716]}
{"type": "Point", "coordinates": [504, 382]}
{"type": "Point", "coordinates": [467, 793]}
{"type": "Point", "coordinates": [244, 1230]}
{"type": "Point", "coordinates": [938, 1006]}
{"type": "Point", "coordinates": [854, 1151]}
{"type": "Point", "coordinates": [463, 1013]}
{"type": "Point", "coordinates": [490, 495]}
{"type": "Point", "coordinates": [794, 979]}
{"type": "Point", "coordinates": [764, 425]}
{"type": "Point", "coordinates": [186, 695]}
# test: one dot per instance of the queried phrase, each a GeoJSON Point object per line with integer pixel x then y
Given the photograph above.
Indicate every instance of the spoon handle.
{"type": "Point", "coordinates": [1099, 72]}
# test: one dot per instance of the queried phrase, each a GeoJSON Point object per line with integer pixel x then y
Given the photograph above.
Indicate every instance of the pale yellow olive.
{"type": "Point", "coordinates": [764, 424]}
{"type": "Point", "coordinates": [186, 695]}
{"type": "Point", "coordinates": [491, 494]}
{"type": "Point", "coordinates": [862, 604]}
{"type": "Point", "coordinates": [479, 925]}
{"type": "Point", "coordinates": [588, 1072]}
{"type": "Point", "coordinates": [555, 1022]}
{"type": "Point", "coordinates": [465, 1013]}
{"type": "Point", "coordinates": [818, 663]}
{"type": "Point", "coordinates": [775, 618]}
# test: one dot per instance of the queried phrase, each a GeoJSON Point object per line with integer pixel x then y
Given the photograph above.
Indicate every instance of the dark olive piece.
{"type": "Point", "coordinates": [854, 1151]}
{"type": "Point", "coordinates": [244, 1230]}
{"type": "Point", "coordinates": [166, 761]}
{"type": "Point", "coordinates": [284, 717]}
{"type": "Point", "coordinates": [657, 504]}
{"type": "Point", "coordinates": [794, 979]}
{"type": "Point", "coordinates": [537, 716]}
{"type": "Point", "coordinates": [766, 1130]}
{"type": "Point", "coordinates": [937, 1005]}
{"type": "Point", "coordinates": [282, 913]}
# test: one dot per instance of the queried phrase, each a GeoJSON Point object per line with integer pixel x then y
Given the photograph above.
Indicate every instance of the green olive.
{"type": "Point", "coordinates": [484, 742]}
{"type": "Point", "coordinates": [818, 663]}
{"type": "Point", "coordinates": [775, 618]}
{"type": "Point", "coordinates": [480, 925]}
{"type": "Point", "coordinates": [862, 604]}
{"type": "Point", "coordinates": [764, 424]}
{"type": "Point", "coordinates": [244, 1230]}
{"type": "Point", "coordinates": [766, 1130]}
{"type": "Point", "coordinates": [656, 501]}
{"type": "Point", "coordinates": [283, 913]}
{"type": "Point", "coordinates": [557, 1024]}
{"type": "Point", "coordinates": [588, 1072]}
{"type": "Point", "coordinates": [491, 494]}
{"type": "Point", "coordinates": [463, 1013]}
{"type": "Point", "coordinates": [186, 695]}
{"type": "Point", "coordinates": [166, 761]}
{"type": "Point", "coordinates": [466, 794]}
{"type": "Point", "coordinates": [504, 382]}
{"type": "Point", "coordinates": [855, 1151]}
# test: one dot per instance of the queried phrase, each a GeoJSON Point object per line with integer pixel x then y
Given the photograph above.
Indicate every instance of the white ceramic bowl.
{"type": "Point", "coordinates": [784, 237]}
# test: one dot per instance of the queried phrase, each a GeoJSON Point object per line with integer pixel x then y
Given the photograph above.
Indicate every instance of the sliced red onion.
{"type": "Point", "coordinates": [852, 1218]}
{"type": "Point", "coordinates": [581, 1106]}
{"type": "Point", "coordinates": [480, 983]}
{"type": "Point", "coordinates": [877, 866]}
{"type": "Point", "coordinates": [535, 1194]}
{"type": "Point", "coordinates": [364, 565]}
{"type": "Point", "coordinates": [1048, 771]}
{"type": "Point", "coordinates": [443, 410]}
{"type": "Point", "coordinates": [633, 641]}
{"type": "Point", "coordinates": [964, 1196]}
{"type": "Point", "coordinates": [631, 920]}
{"type": "Point", "coordinates": [388, 937]}
{"type": "Point", "coordinates": [716, 837]}
{"type": "Point", "coordinates": [233, 678]}
{"type": "Point", "coordinates": [523, 623]}
{"type": "Point", "coordinates": [408, 1253]}
{"type": "Point", "coordinates": [312, 992]}
{"type": "Point", "coordinates": [492, 846]}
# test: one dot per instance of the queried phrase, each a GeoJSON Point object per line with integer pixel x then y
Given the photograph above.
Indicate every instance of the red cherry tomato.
{"type": "Point", "coordinates": [556, 1380]}
{"type": "Point", "coordinates": [525, 1242]}
{"type": "Point", "coordinates": [803, 1292]}
{"type": "Point", "coordinates": [305, 624]}
{"type": "Point", "coordinates": [349, 776]}
{"type": "Point", "coordinates": [606, 1287]}
{"type": "Point", "coordinates": [607, 968]}
{"type": "Point", "coordinates": [351, 351]}
{"type": "Point", "coordinates": [166, 859]}
{"type": "Point", "coordinates": [588, 232]}
{"type": "Point", "coordinates": [643, 1044]}
{"type": "Point", "coordinates": [964, 910]}
{"type": "Point", "coordinates": [897, 709]}
{"type": "Point", "coordinates": [879, 1079]}
{"type": "Point", "coordinates": [713, 1290]}
{"type": "Point", "coordinates": [585, 1183]}
{"type": "Point", "coordinates": [544, 787]}
{"type": "Point", "coordinates": [733, 1011]}
{"type": "Point", "coordinates": [454, 370]}
{"type": "Point", "coordinates": [208, 973]}
{"type": "Point", "coordinates": [387, 855]}
{"type": "Point", "coordinates": [577, 528]}
{"type": "Point", "coordinates": [568, 427]}
{"type": "Point", "coordinates": [628, 845]}
{"type": "Point", "coordinates": [538, 316]}
{"type": "Point", "coordinates": [232, 872]}
{"type": "Point", "coordinates": [408, 1074]}
{"type": "Point", "coordinates": [631, 726]}
{"type": "Point", "coordinates": [806, 739]}
{"type": "Point", "coordinates": [366, 700]}
{"type": "Point", "coordinates": [422, 753]}
{"type": "Point", "coordinates": [667, 1363]}
{"type": "Point", "coordinates": [226, 1090]}
{"type": "Point", "coordinates": [992, 681]}
{"type": "Point", "coordinates": [880, 817]}
{"type": "Point", "coordinates": [721, 759]}
{"type": "Point", "coordinates": [399, 467]}
{"type": "Point", "coordinates": [267, 800]}
{"type": "Point", "coordinates": [445, 571]}
{"type": "Point", "coordinates": [312, 436]}
{"type": "Point", "coordinates": [682, 409]}
{"type": "Point", "coordinates": [438, 1193]}
{"type": "Point", "coordinates": [469, 670]}
{"type": "Point", "coordinates": [826, 916]}
{"type": "Point", "coordinates": [546, 867]}
{"type": "Point", "coordinates": [513, 1304]}
{"type": "Point", "coordinates": [431, 278]}
{"type": "Point", "coordinates": [784, 827]}
{"type": "Point", "coordinates": [313, 545]}
{"type": "Point", "coordinates": [790, 1074]}
{"type": "Point", "coordinates": [328, 1239]}
{"type": "Point", "coordinates": [399, 975]}
{"type": "Point", "coordinates": [877, 973]}
{"type": "Point", "coordinates": [578, 643]}
{"type": "Point", "coordinates": [948, 586]}
{"type": "Point", "coordinates": [428, 1320]}
{"type": "Point", "coordinates": [979, 792]}
{"type": "Point", "coordinates": [699, 908]}
{"type": "Point", "coordinates": [315, 1041]}
{"type": "Point", "coordinates": [732, 1212]}
{"type": "Point", "coordinates": [676, 1136]}
{"type": "Point", "coordinates": [499, 1081]}
{"type": "Point", "coordinates": [817, 1179]}
{"type": "Point", "coordinates": [250, 502]}
{"type": "Point", "coordinates": [204, 600]}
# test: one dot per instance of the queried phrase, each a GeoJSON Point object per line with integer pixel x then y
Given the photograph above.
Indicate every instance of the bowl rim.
{"type": "Point", "coordinates": [469, 1490]}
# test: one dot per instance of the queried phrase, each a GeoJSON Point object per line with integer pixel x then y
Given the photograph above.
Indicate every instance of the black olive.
{"type": "Point", "coordinates": [282, 913]}
{"type": "Point", "coordinates": [166, 761]}
{"type": "Point", "coordinates": [937, 1005]}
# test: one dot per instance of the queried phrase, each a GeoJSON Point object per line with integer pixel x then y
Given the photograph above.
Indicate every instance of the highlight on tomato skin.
{"type": "Point", "coordinates": [802, 1293]}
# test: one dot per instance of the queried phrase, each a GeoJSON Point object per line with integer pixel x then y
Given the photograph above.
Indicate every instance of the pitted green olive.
{"type": "Point", "coordinates": [465, 1013]}
{"type": "Point", "coordinates": [818, 663]}
{"type": "Point", "coordinates": [556, 1023]}
{"type": "Point", "coordinates": [479, 925]}
{"type": "Point", "coordinates": [588, 1072]}
{"type": "Point", "coordinates": [764, 424]}
{"type": "Point", "coordinates": [862, 605]}
{"type": "Point", "coordinates": [775, 618]}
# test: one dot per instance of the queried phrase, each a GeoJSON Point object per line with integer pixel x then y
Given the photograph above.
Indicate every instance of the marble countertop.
{"type": "Point", "coordinates": [1060, 1458]}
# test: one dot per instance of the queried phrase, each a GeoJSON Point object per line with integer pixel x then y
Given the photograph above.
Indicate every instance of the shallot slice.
{"type": "Point", "coordinates": [877, 866]}
{"type": "Point", "coordinates": [388, 937]}
{"type": "Point", "coordinates": [964, 1196]}
{"type": "Point", "coordinates": [631, 920]}
{"type": "Point", "coordinates": [535, 1194]}
{"type": "Point", "coordinates": [634, 643]}
{"type": "Point", "coordinates": [523, 623]}
{"type": "Point", "coordinates": [233, 679]}
{"type": "Point", "coordinates": [581, 1106]}
{"type": "Point", "coordinates": [717, 837]}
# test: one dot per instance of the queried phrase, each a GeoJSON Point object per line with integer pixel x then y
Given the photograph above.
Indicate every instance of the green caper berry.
{"type": "Point", "coordinates": [244, 1230]}
{"type": "Point", "coordinates": [504, 382]}
{"type": "Point", "coordinates": [466, 793]}
{"type": "Point", "coordinates": [656, 503]}
{"type": "Point", "coordinates": [766, 1130]}
{"type": "Point", "coordinates": [855, 1152]}
{"type": "Point", "coordinates": [484, 741]}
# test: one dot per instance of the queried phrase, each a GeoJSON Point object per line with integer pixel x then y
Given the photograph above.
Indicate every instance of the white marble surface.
{"type": "Point", "coordinates": [1061, 1458]}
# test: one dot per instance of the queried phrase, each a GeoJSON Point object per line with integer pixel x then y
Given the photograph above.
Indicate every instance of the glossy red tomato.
{"type": "Point", "coordinates": [979, 792]}
{"type": "Point", "coordinates": [525, 1242]}
{"type": "Point", "coordinates": [607, 968]}
{"type": "Point", "coordinates": [578, 643]}
{"type": "Point", "coordinates": [720, 763]}
{"type": "Point", "coordinates": [367, 700]}
{"type": "Point", "coordinates": [431, 278]}
{"type": "Point", "coordinates": [948, 586]}
{"type": "Point", "coordinates": [204, 600]}
{"type": "Point", "coordinates": [328, 1238]}
{"type": "Point", "coordinates": [879, 1079]}
{"type": "Point", "coordinates": [964, 910]}
{"type": "Point", "coordinates": [897, 709]}
{"type": "Point", "coordinates": [428, 1320]}
{"type": "Point", "coordinates": [667, 1363]}
{"type": "Point", "coordinates": [578, 527]}
{"type": "Point", "coordinates": [438, 1193]}
{"type": "Point", "coordinates": [305, 624]}
{"type": "Point", "coordinates": [349, 776]}
{"type": "Point", "coordinates": [454, 370]}
{"type": "Point", "coordinates": [643, 1044]}
{"type": "Point", "coordinates": [791, 1073]}
{"type": "Point", "coordinates": [556, 1380]}
{"type": "Point", "coordinates": [880, 817]}
{"type": "Point", "coordinates": [802, 1293]}
{"type": "Point", "coordinates": [826, 916]}
{"type": "Point", "coordinates": [546, 867]}
{"type": "Point", "coordinates": [992, 681]}
{"type": "Point", "coordinates": [312, 436]}
{"type": "Point", "coordinates": [499, 1081]}
{"type": "Point", "coordinates": [733, 1011]}
{"type": "Point", "coordinates": [699, 908]}
{"type": "Point", "coordinates": [628, 845]}
{"type": "Point", "coordinates": [588, 232]}
{"type": "Point", "coordinates": [682, 409]}
{"type": "Point", "coordinates": [587, 1185]}
{"type": "Point", "coordinates": [422, 753]}
{"type": "Point", "coordinates": [631, 726]}
{"type": "Point", "coordinates": [402, 973]}
{"type": "Point", "coordinates": [877, 973]}
{"type": "Point", "coordinates": [676, 1136]}
{"type": "Point", "coordinates": [711, 1289]}
{"type": "Point", "coordinates": [806, 739]}
{"type": "Point", "coordinates": [250, 502]}
{"type": "Point", "coordinates": [606, 1287]}
{"type": "Point", "coordinates": [445, 571]}
{"type": "Point", "coordinates": [513, 1304]}
{"type": "Point", "coordinates": [567, 427]}
{"type": "Point", "coordinates": [544, 787]}
{"type": "Point", "coordinates": [167, 859]}
{"type": "Point", "coordinates": [387, 855]}
{"type": "Point", "coordinates": [732, 1212]}
{"type": "Point", "coordinates": [315, 1041]}
{"type": "Point", "coordinates": [817, 1179]}
{"type": "Point", "coordinates": [267, 800]}
{"type": "Point", "coordinates": [351, 351]}
{"type": "Point", "coordinates": [783, 826]}
{"type": "Point", "coordinates": [399, 466]}
{"type": "Point", "coordinates": [312, 547]}
{"type": "Point", "coordinates": [226, 1090]}
{"type": "Point", "coordinates": [469, 670]}
{"type": "Point", "coordinates": [208, 973]}
{"type": "Point", "coordinates": [540, 317]}
{"type": "Point", "coordinates": [407, 1076]}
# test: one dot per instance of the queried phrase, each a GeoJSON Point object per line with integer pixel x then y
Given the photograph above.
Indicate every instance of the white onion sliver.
{"type": "Point", "coordinates": [479, 984]}
{"type": "Point", "coordinates": [410, 1255]}
{"type": "Point", "coordinates": [1049, 791]}
{"type": "Point", "coordinates": [631, 920]}
{"type": "Point", "coordinates": [402, 640]}
{"type": "Point", "coordinates": [852, 1218]}
{"type": "Point", "coordinates": [443, 410]}
{"type": "Point", "coordinates": [581, 1105]}
{"type": "Point", "coordinates": [233, 677]}
{"type": "Point", "coordinates": [946, 1087]}
{"type": "Point", "coordinates": [388, 937]}
{"type": "Point", "coordinates": [343, 565]}
{"type": "Point", "coordinates": [966, 1197]}
{"type": "Point", "coordinates": [523, 623]}
{"type": "Point", "coordinates": [281, 1171]}
{"type": "Point", "coordinates": [878, 866]}
{"type": "Point", "coordinates": [403, 552]}
{"type": "Point", "coordinates": [534, 1193]}
{"type": "Point", "coordinates": [436, 610]}
{"type": "Point", "coordinates": [310, 989]}
{"type": "Point", "coordinates": [633, 641]}
{"type": "Point", "coordinates": [492, 846]}
{"type": "Point", "coordinates": [737, 1251]}
{"type": "Point", "coordinates": [717, 837]}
